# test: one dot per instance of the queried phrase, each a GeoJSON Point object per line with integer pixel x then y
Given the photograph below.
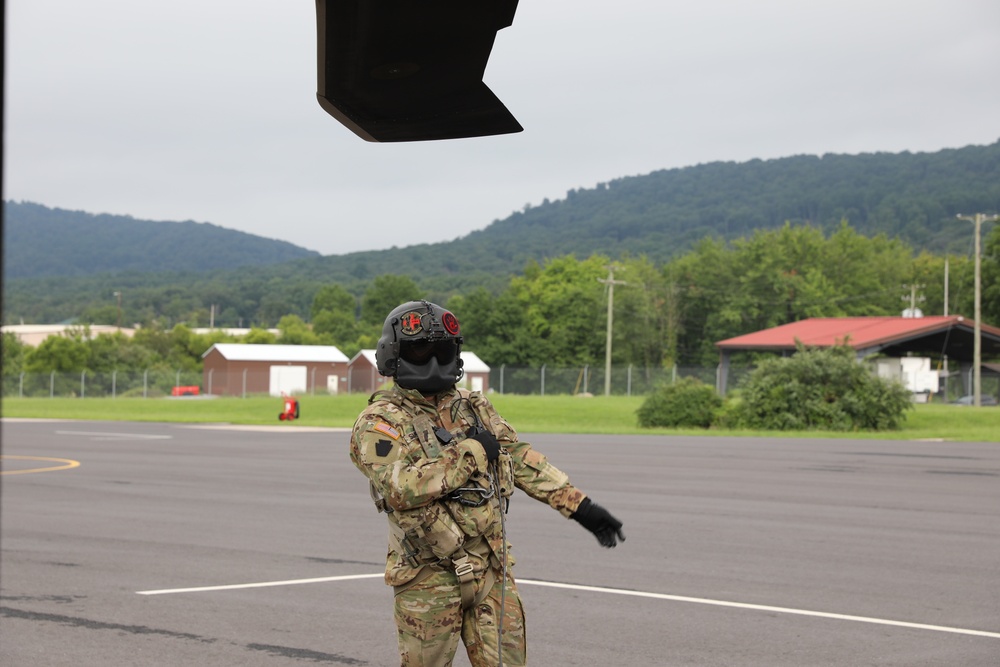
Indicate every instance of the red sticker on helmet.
{"type": "Point", "coordinates": [450, 323]}
{"type": "Point", "coordinates": [410, 323]}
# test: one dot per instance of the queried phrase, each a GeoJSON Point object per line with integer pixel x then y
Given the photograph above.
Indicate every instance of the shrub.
{"type": "Point", "coordinates": [686, 403]}
{"type": "Point", "coordinates": [824, 389]}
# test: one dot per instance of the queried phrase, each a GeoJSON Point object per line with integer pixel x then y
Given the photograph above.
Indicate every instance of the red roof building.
{"type": "Point", "coordinates": [949, 335]}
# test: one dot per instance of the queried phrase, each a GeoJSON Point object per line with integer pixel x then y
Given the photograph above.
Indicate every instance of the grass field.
{"type": "Point", "coordinates": [528, 414]}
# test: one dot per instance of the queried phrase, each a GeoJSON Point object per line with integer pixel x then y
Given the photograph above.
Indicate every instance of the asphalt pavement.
{"type": "Point", "coordinates": [167, 544]}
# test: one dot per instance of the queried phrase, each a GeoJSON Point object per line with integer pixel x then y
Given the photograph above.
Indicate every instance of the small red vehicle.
{"type": "Point", "coordinates": [291, 409]}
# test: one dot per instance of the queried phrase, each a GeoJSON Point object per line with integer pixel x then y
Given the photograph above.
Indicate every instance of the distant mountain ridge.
{"type": "Point", "coordinates": [41, 241]}
{"type": "Point", "coordinates": [913, 196]}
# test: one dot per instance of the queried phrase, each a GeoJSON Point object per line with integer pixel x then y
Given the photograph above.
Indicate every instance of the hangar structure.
{"type": "Point", "coordinates": [943, 336]}
{"type": "Point", "coordinates": [238, 369]}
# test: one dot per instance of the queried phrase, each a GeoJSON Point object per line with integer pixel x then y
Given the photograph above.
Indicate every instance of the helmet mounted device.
{"type": "Point", "coordinates": [420, 347]}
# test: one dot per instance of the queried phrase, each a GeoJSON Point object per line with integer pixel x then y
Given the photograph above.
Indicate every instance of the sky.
{"type": "Point", "coordinates": [206, 110]}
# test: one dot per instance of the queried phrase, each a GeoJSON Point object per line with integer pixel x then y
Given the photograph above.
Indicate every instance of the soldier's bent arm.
{"type": "Point", "coordinates": [404, 483]}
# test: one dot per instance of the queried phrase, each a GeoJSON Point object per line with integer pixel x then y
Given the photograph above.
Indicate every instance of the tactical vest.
{"type": "Point", "coordinates": [445, 537]}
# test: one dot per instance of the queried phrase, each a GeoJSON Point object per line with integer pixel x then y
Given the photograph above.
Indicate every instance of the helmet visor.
{"type": "Point", "coordinates": [419, 352]}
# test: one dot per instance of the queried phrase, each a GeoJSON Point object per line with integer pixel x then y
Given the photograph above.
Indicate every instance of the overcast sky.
{"type": "Point", "coordinates": [206, 109]}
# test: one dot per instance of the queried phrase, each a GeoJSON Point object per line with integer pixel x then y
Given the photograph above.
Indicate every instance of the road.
{"type": "Point", "coordinates": [739, 551]}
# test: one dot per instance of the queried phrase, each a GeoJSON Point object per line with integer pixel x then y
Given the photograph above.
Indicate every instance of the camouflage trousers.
{"type": "Point", "coordinates": [430, 621]}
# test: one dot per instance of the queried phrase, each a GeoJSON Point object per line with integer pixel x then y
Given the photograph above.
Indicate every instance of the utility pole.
{"type": "Point", "coordinates": [119, 295]}
{"type": "Point", "coordinates": [610, 282]}
{"type": "Point", "coordinates": [913, 311]}
{"type": "Point", "coordinates": [945, 286]}
{"type": "Point", "coordinates": [946, 314]}
{"type": "Point", "coordinates": [977, 343]}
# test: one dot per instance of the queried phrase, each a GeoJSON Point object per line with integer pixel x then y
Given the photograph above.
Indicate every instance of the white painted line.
{"type": "Point", "coordinates": [269, 428]}
{"type": "Point", "coordinates": [615, 591]}
{"type": "Point", "coordinates": [99, 435]}
{"type": "Point", "coordinates": [263, 584]}
{"type": "Point", "coordinates": [760, 607]}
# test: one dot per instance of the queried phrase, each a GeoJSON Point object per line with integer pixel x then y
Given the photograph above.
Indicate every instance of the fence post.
{"type": "Point", "coordinates": [114, 383]}
{"type": "Point", "coordinates": [244, 383]}
{"type": "Point", "coordinates": [52, 385]}
{"type": "Point", "coordinates": [20, 386]}
{"type": "Point", "coordinates": [313, 381]}
{"type": "Point", "coordinates": [502, 367]}
{"type": "Point", "coordinates": [543, 379]}
{"type": "Point", "coordinates": [586, 379]}
{"type": "Point", "coordinates": [145, 383]}
{"type": "Point", "coordinates": [83, 384]}
{"type": "Point", "coordinates": [628, 381]}
{"type": "Point", "coordinates": [208, 389]}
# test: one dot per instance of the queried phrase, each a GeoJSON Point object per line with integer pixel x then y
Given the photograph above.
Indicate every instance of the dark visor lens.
{"type": "Point", "coordinates": [419, 352]}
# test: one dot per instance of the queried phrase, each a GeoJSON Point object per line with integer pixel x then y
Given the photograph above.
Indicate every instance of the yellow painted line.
{"type": "Point", "coordinates": [67, 464]}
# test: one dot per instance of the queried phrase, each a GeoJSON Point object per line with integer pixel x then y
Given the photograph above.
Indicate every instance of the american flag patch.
{"type": "Point", "coordinates": [382, 427]}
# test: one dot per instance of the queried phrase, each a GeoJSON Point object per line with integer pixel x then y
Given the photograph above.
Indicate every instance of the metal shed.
{"type": "Point", "coordinates": [234, 369]}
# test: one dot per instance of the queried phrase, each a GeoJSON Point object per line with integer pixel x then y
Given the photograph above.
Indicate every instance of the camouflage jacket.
{"type": "Point", "coordinates": [415, 452]}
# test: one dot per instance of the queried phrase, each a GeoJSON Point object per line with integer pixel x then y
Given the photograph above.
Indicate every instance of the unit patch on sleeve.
{"type": "Point", "coordinates": [382, 427]}
{"type": "Point", "coordinates": [382, 448]}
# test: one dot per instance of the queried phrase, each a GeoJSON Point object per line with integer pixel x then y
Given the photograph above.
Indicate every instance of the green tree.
{"type": "Point", "coordinates": [781, 276]}
{"type": "Point", "coordinates": [61, 354]}
{"type": "Point", "coordinates": [259, 336]}
{"type": "Point", "coordinates": [645, 323]}
{"type": "Point", "coordinates": [385, 293]}
{"type": "Point", "coordinates": [334, 316]}
{"type": "Point", "coordinates": [296, 332]}
{"type": "Point", "coordinates": [116, 351]}
{"type": "Point", "coordinates": [990, 276]}
{"type": "Point", "coordinates": [334, 299]}
{"type": "Point", "coordinates": [563, 311]}
{"type": "Point", "coordinates": [14, 352]}
{"type": "Point", "coordinates": [825, 389]}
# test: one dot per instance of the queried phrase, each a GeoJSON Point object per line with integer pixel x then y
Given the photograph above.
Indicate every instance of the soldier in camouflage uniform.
{"type": "Point", "coordinates": [442, 465]}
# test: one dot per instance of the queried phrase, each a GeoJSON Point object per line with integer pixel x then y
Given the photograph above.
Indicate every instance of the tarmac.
{"type": "Point", "coordinates": [167, 544]}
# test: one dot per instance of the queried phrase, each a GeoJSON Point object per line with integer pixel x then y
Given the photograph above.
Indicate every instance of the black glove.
{"type": "Point", "coordinates": [488, 441]}
{"type": "Point", "coordinates": [599, 521]}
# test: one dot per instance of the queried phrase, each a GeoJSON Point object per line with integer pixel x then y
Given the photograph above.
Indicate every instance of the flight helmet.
{"type": "Point", "coordinates": [420, 347]}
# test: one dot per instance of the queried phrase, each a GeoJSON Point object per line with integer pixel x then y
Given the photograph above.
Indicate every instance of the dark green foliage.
{"type": "Point", "coordinates": [41, 241]}
{"type": "Point", "coordinates": [720, 250]}
{"type": "Point", "coordinates": [687, 403]}
{"type": "Point", "coordinates": [825, 389]}
{"type": "Point", "coordinates": [14, 350]}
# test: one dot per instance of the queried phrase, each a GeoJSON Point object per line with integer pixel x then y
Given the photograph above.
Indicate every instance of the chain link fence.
{"type": "Point", "coordinates": [86, 384]}
{"type": "Point", "coordinates": [624, 381]}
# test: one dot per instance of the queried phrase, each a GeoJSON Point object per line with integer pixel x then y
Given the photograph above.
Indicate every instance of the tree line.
{"type": "Point", "coordinates": [555, 312]}
{"type": "Point", "coordinates": [178, 277]}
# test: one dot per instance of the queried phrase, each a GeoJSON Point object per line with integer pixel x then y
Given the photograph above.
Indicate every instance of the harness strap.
{"type": "Point", "coordinates": [462, 567]}
{"type": "Point", "coordinates": [466, 579]}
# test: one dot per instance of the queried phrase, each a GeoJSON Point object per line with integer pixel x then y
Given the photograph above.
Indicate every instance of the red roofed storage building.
{"type": "Point", "coordinates": [950, 335]}
{"type": "Point", "coordinates": [236, 369]}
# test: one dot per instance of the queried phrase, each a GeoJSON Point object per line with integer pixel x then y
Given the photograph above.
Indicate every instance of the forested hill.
{"type": "Point", "coordinates": [913, 196]}
{"type": "Point", "coordinates": [41, 241]}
